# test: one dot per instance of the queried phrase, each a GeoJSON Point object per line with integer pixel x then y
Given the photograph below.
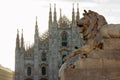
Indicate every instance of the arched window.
{"type": "Point", "coordinates": [28, 79]}
{"type": "Point", "coordinates": [43, 56]}
{"type": "Point", "coordinates": [43, 71]}
{"type": "Point", "coordinates": [63, 56]}
{"type": "Point", "coordinates": [29, 71]}
{"type": "Point", "coordinates": [64, 37]}
{"type": "Point", "coordinates": [43, 79]}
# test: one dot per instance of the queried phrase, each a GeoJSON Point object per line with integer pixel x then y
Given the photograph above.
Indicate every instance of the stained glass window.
{"type": "Point", "coordinates": [43, 71]}
{"type": "Point", "coordinates": [64, 38]}
{"type": "Point", "coordinates": [29, 71]}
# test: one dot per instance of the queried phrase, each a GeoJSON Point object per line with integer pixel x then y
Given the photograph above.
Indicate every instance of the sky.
{"type": "Point", "coordinates": [21, 14]}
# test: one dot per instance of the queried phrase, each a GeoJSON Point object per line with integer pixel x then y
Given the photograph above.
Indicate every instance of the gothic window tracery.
{"type": "Point", "coordinates": [64, 36]}
{"type": "Point", "coordinates": [29, 71]}
{"type": "Point", "coordinates": [43, 71]}
{"type": "Point", "coordinates": [29, 79]}
{"type": "Point", "coordinates": [43, 56]}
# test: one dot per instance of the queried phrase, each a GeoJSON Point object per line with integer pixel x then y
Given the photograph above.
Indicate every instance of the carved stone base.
{"type": "Point", "coordinates": [101, 64]}
{"type": "Point", "coordinates": [93, 69]}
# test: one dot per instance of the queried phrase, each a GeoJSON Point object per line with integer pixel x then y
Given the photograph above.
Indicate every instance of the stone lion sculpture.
{"type": "Point", "coordinates": [94, 28]}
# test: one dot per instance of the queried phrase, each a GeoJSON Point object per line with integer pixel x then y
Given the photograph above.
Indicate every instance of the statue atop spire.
{"type": "Point", "coordinates": [36, 25]}
{"type": "Point", "coordinates": [36, 30]}
{"type": "Point", "coordinates": [17, 40]}
{"type": "Point", "coordinates": [60, 19]}
{"type": "Point", "coordinates": [50, 7]}
{"type": "Point", "coordinates": [22, 40]}
{"type": "Point", "coordinates": [50, 16]}
{"type": "Point", "coordinates": [73, 15]}
{"type": "Point", "coordinates": [77, 6]}
{"type": "Point", "coordinates": [54, 7]}
{"type": "Point", "coordinates": [60, 13]}
{"type": "Point", "coordinates": [55, 16]}
{"type": "Point", "coordinates": [36, 20]}
{"type": "Point", "coordinates": [77, 16]}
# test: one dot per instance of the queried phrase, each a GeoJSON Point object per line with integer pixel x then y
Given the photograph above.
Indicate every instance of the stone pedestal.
{"type": "Point", "coordinates": [101, 64]}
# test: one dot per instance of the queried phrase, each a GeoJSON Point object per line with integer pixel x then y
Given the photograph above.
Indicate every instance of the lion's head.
{"type": "Point", "coordinates": [83, 24]}
{"type": "Point", "coordinates": [90, 24]}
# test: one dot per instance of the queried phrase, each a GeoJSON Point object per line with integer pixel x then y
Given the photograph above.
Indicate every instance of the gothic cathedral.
{"type": "Point", "coordinates": [43, 60]}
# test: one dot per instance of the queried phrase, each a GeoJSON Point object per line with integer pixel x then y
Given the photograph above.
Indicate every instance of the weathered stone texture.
{"type": "Point", "coordinates": [93, 69]}
{"type": "Point", "coordinates": [101, 64]}
{"type": "Point", "coordinates": [92, 74]}
{"type": "Point", "coordinates": [45, 56]}
{"type": "Point", "coordinates": [111, 49]}
{"type": "Point", "coordinates": [111, 43]}
{"type": "Point", "coordinates": [97, 61]}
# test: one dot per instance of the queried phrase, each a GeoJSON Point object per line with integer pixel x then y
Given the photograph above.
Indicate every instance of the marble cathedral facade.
{"type": "Point", "coordinates": [43, 60]}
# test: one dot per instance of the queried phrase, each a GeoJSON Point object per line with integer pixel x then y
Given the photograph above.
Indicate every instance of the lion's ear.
{"type": "Point", "coordinates": [85, 11]}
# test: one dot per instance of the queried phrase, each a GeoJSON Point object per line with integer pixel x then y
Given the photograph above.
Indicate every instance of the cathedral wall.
{"type": "Point", "coordinates": [53, 46]}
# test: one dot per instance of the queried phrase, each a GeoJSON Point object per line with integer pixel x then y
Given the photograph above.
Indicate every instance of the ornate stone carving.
{"type": "Point", "coordinates": [94, 28]}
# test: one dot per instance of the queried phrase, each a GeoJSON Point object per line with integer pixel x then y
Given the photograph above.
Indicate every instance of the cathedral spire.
{"type": "Point", "coordinates": [60, 19]}
{"type": "Point", "coordinates": [55, 17]}
{"type": "Point", "coordinates": [17, 40]}
{"type": "Point", "coordinates": [22, 40]}
{"type": "Point", "coordinates": [50, 16]}
{"type": "Point", "coordinates": [36, 20]}
{"type": "Point", "coordinates": [73, 15]}
{"type": "Point", "coordinates": [60, 13]}
{"type": "Point", "coordinates": [77, 16]}
{"type": "Point", "coordinates": [36, 30]}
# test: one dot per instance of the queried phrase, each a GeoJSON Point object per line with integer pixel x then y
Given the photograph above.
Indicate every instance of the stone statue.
{"type": "Point", "coordinates": [94, 28]}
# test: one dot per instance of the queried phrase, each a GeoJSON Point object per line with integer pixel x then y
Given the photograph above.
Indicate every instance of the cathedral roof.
{"type": "Point", "coordinates": [44, 36]}
{"type": "Point", "coordinates": [43, 40]}
{"type": "Point", "coordinates": [64, 21]}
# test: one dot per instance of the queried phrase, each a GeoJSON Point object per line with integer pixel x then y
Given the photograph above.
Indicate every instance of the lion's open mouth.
{"type": "Point", "coordinates": [80, 25]}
